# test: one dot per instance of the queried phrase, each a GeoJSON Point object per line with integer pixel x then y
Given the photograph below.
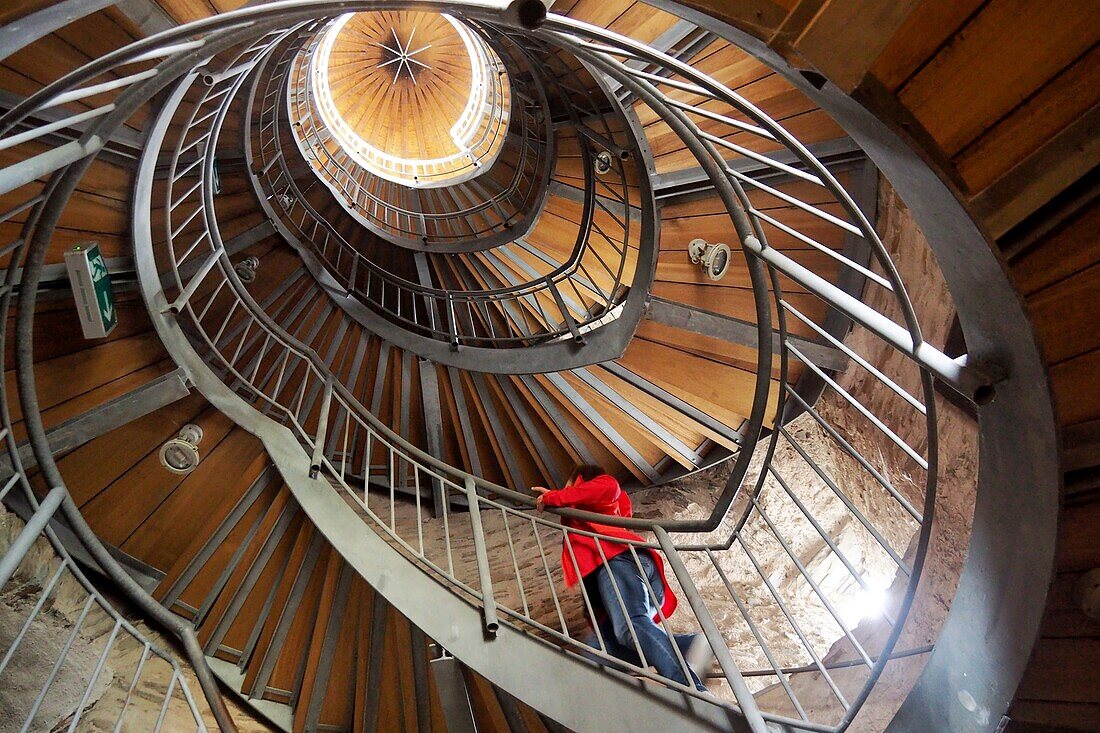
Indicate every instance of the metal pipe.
{"type": "Point", "coordinates": [39, 131]}
{"type": "Point", "coordinates": [11, 559]}
{"type": "Point", "coordinates": [969, 380]}
{"type": "Point", "coordinates": [107, 86]}
{"type": "Point", "coordinates": [193, 285]}
{"type": "Point", "coordinates": [322, 429]}
{"type": "Point", "coordinates": [485, 580]}
{"type": "Point", "coordinates": [741, 692]}
{"type": "Point", "coordinates": [95, 676]}
{"type": "Point", "coordinates": [31, 169]}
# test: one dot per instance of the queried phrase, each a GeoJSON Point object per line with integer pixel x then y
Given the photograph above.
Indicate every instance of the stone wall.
{"type": "Point", "coordinates": [45, 640]}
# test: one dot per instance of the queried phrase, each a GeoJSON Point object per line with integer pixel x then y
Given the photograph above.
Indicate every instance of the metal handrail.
{"type": "Point", "coordinates": [506, 213]}
{"type": "Point", "coordinates": [276, 354]}
{"type": "Point", "coordinates": [437, 313]}
{"type": "Point", "coordinates": [291, 371]}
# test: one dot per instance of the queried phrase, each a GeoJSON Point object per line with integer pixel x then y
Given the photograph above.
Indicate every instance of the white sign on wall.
{"type": "Point", "coordinates": [91, 283]}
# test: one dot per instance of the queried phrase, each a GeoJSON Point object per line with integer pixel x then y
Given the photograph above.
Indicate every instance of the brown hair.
{"type": "Point", "coordinates": [586, 471]}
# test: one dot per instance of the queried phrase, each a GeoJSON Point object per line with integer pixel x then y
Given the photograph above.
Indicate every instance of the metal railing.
{"type": "Point", "coordinates": [157, 679]}
{"type": "Point", "coordinates": [424, 214]}
{"type": "Point", "coordinates": [288, 383]}
{"type": "Point", "coordinates": [563, 302]}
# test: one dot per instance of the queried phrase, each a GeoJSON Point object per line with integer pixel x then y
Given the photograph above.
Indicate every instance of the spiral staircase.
{"type": "Point", "coordinates": [402, 261]}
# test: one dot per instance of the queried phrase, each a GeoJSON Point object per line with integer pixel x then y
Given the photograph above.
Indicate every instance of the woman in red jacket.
{"type": "Point", "coordinates": [607, 566]}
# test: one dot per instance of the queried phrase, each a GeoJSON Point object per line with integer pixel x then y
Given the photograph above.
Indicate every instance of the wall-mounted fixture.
{"type": "Point", "coordinates": [181, 453]}
{"type": "Point", "coordinates": [713, 258]}
{"type": "Point", "coordinates": [91, 283]}
{"type": "Point", "coordinates": [246, 269]}
{"type": "Point", "coordinates": [603, 163]}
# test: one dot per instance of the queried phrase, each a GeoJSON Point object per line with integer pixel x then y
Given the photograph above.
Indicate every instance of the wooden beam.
{"type": "Point", "coordinates": [737, 331]}
{"type": "Point", "coordinates": [103, 419]}
{"type": "Point", "coordinates": [843, 39]}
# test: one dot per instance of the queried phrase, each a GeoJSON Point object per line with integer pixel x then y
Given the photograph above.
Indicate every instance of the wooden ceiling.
{"type": "Point", "coordinates": [401, 115]}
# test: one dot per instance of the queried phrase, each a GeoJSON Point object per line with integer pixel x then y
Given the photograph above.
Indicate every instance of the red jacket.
{"type": "Point", "coordinates": [603, 495]}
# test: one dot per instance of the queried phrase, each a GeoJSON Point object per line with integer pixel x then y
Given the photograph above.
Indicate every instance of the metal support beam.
{"type": "Point", "coordinates": [233, 246]}
{"type": "Point", "coordinates": [124, 145]}
{"type": "Point", "coordinates": [528, 424]}
{"type": "Point", "coordinates": [736, 331]}
{"type": "Point", "coordinates": [219, 536]}
{"type": "Point", "coordinates": [510, 708]}
{"type": "Point", "coordinates": [601, 425]}
{"type": "Point", "coordinates": [328, 647]}
{"type": "Point", "coordinates": [146, 15]}
{"type": "Point", "coordinates": [454, 698]}
{"type": "Point", "coordinates": [421, 686]}
{"type": "Point", "coordinates": [832, 153]}
{"type": "Point", "coordinates": [464, 421]}
{"type": "Point", "coordinates": [681, 41]}
{"type": "Point", "coordinates": [112, 414]}
{"type": "Point", "coordinates": [121, 270]}
{"type": "Point", "coordinates": [485, 397]}
{"type": "Point", "coordinates": [576, 195]}
{"type": "Point", "coordinates": [674, 402]}
{"type": "Point", "coordinates": [550, 407]}
{"type": "Point", "coordinates": [433, 425]}
{"type": "Point", "coordinates": [658, 431]}
{"type": "Point", "coordinates": [375, 656]}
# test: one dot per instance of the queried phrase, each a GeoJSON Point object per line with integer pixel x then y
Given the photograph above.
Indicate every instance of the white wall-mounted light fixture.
{"type": "Point", "coordinates": [713, 258]}
{"type": "Point", "coordinates": [246, 269]}
{"type": "Point", "coordinates": [602, 163]}
{"type": "Point", "coordinates": [181, 453]}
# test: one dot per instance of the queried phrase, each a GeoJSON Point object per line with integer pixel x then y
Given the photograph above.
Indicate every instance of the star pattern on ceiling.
{"type": "Point", "coordinates": [403, 56]}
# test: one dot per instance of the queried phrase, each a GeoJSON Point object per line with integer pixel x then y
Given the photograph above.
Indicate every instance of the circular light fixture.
{"type": "Point", "coordinates": [713, 258]}
{"type": "Point", "coordinates": [603, 163]}
{"type": "Point", "coordinates": [181, 453]}
{"type": "Point", "coordinates": [246, 269]}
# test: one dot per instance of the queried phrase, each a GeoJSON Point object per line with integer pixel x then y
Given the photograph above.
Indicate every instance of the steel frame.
{"type": "Point", "coordinates": [303, 429]}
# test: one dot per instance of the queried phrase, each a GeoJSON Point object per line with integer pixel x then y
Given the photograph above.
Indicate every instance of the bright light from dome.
{"type": "Point", "coordinates": [476, 136]}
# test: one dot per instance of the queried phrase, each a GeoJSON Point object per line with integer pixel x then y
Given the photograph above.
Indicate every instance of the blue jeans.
{"type": "Point", "coordinates": [615, 626]}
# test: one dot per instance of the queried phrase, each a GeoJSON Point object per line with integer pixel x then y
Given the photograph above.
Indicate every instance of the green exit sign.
{"type": "Point", "coordinates": [95, 299]}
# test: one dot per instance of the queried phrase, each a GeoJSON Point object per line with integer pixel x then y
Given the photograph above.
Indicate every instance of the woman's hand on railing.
{"type": "Point", "coordinates": [542, 491]}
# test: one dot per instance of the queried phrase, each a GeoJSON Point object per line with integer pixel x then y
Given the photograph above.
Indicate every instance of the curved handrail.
{"type": "Point", "coordinates": [315, 424]}
{"type": "Point", "coordinates": [434, 312]}
{"type": "Point", "coordinates": [503, 214]}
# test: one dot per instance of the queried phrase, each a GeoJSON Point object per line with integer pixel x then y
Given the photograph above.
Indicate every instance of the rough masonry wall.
{"type": "Point", "coordinates": [45, 640]}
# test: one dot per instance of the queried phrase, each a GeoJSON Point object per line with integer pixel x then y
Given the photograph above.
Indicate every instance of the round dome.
{"type": "Point", "coordinates": [414, 97]}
